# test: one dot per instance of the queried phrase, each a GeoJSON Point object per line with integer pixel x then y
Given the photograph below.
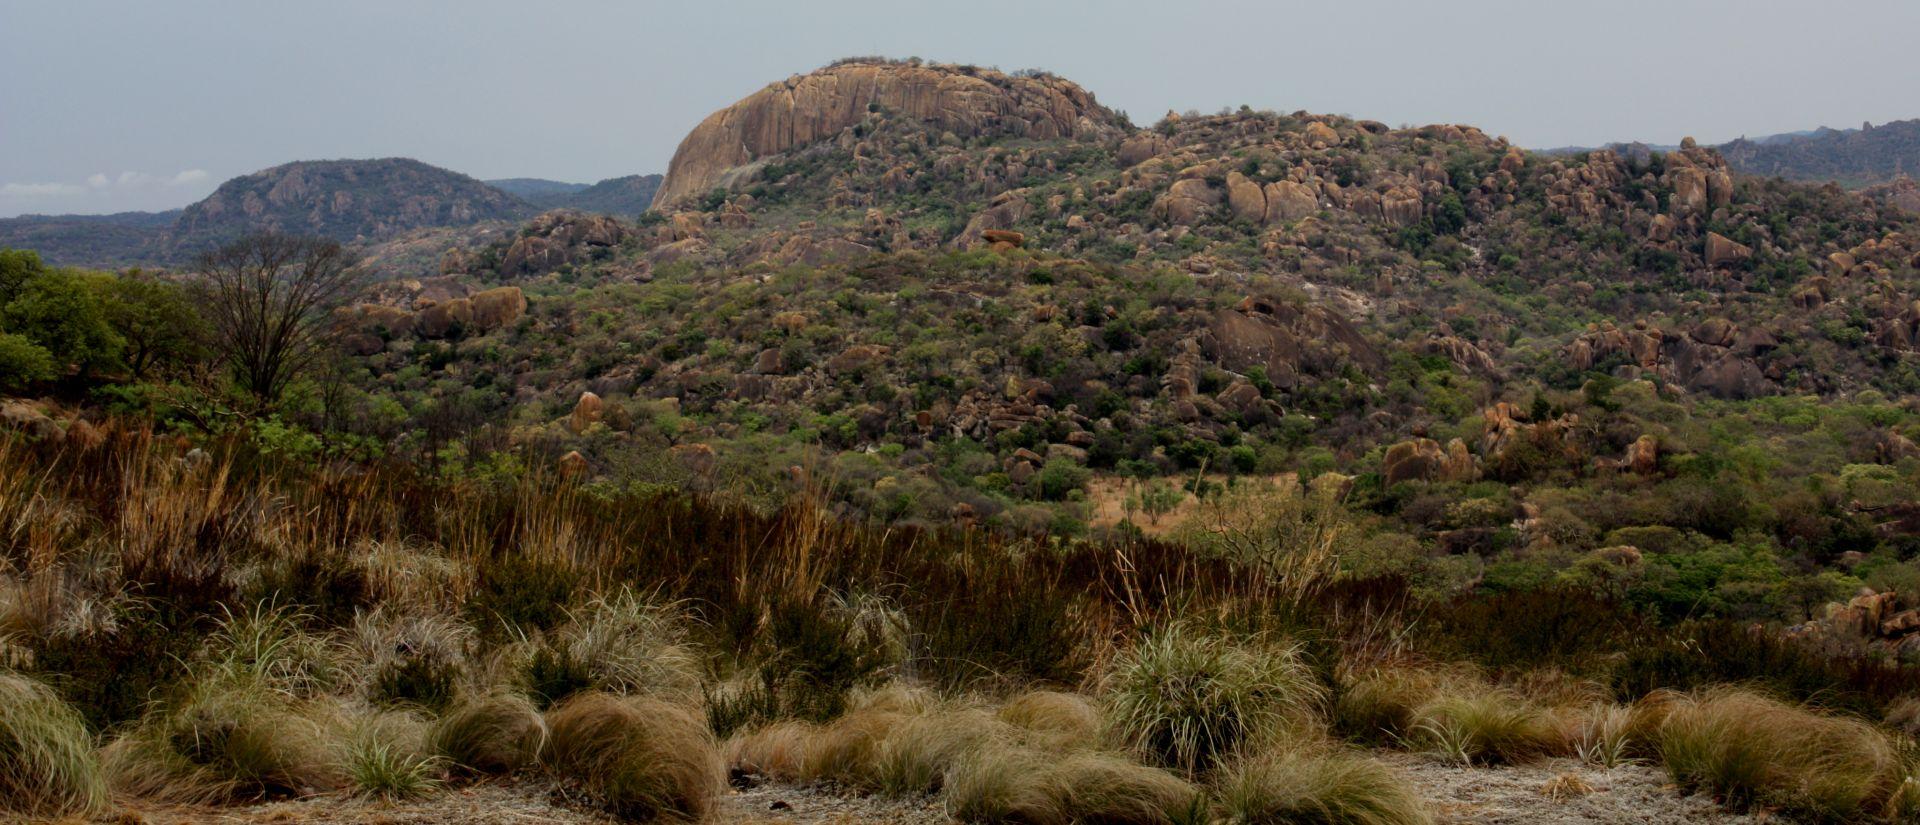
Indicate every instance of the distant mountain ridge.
{"type": "Point", "coordinates": [629, 195]}
{"type": "Point", "coordinates": [354, 201]}
{"type": "Point", "coordinates": [530, 188]}
{"type": "Point", "coordinates": [1854, 158]}
{"type": "Point", "coordinates": [1851, 157]}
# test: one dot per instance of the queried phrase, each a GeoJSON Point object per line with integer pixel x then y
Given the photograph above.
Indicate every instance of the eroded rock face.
{"type": "Point", "coordinates": [1285, 340]}
{"type": "Point", "coordinates": [587, 411]}
{"type": "Point", "coordinates": [808, 108]}
{"type": "Point", "coordinates": [1725, 251]}
{"type": "Point", "coordinates": [498, 307]}
{"type": "Point", "coordinates": [1423, 459]}
{"type": "Point", "coordinates": [444, 319]}
{"type": "Point", "coordinates": [560, 237]}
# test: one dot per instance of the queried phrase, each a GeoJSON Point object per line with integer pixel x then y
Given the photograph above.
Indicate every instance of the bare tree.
{"type": "Point", "coordinates": [271, 300]}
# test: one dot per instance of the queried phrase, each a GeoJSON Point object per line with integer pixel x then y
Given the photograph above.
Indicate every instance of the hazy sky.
{"type": "Point", "coordinates": [149, 104]}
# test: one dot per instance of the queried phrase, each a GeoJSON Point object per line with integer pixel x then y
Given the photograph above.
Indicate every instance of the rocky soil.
{"type": "Point", "coordinates": [1554, 792]}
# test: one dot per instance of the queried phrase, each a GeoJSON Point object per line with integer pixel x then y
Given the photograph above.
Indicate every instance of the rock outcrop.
{"type": "Point", "coordinates": [560, 237]}
{"type": "Point", "coordinates": [808, 108]}
{"type": "Point", "coordinates": [1423, 459]}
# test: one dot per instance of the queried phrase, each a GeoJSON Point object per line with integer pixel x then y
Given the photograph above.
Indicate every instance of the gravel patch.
{"type": "Point", "coordinates": [773, 803]}
{"type": "Point", "coordinates": [538, 802]}
{"type": "Point", "coordinates": [1522, 795]}
{"type": "Point", "coordinates": [1553, 792]}
{"type": "Point", "coordinates": [505, 803]}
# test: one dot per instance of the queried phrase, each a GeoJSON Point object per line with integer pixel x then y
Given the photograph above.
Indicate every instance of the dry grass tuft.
{"type": "Point", "coordinates": [1007, 785]}
{"type": "Point", "coordinates": [1012, 783]}
{"type": "Point", "coordinates": [1483, 725]}
{"type": "Point", "coordinates": [1055, 719]}
{"type": "Point", "coordinates": [224, 740]}
{"type": "Point", "coordinates": [617, 643]}
{"type": "Point", "coordinates": [1603, 735]}
{"type": "Point", "coordinates": [1751, 751]}
{"type": "Point", "coordinates": [1307, 785]}
{"type": "Point", "coordinates": [777, 751]}
{"type": "Point", "coordinates": [1565, 787]}
{"type": "Point", "coordinates": [642, 758]}
{"type": "Point", "coordinates": [1380, 705]}
{"type": "Point", "coordinates": [47, 764]}
{"type": "Point", "coordinates": [1104, 787]}
{"type": "Point", "coordinates": [914, 756]}
{"type": "Point", "coordinates": [497, 734]}
{"type": "Point", "coordinates": [844, 750]}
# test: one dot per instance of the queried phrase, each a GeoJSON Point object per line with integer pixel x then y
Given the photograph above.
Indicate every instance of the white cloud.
{"type": "Point", "coordinates": [104, 192]}
{"type": "Point", "coordinates": [40, 190]}
{"type": "Point", "coordinates": [100, 182]}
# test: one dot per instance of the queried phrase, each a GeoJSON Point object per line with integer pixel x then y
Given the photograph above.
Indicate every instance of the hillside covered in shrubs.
{"type": "Point", "coordinates": [943, 436]}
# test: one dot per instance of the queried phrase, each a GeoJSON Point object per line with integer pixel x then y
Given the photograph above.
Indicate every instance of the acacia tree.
{"type": "Point", "coordinates": [270, 299]}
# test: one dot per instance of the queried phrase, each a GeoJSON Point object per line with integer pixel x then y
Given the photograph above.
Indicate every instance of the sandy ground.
{"type": "Point", "coordinates": [503, 803]}
{"type": "Point", "coordinates": [1636, 794]}
{"type": "Point", "coordinates": [532, 802]}
{"type": "Point", "coordinates": [775, 804]}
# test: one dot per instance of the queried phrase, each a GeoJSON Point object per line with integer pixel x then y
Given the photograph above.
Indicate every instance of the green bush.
{"type": "Point", "coordinates": [1186, 699]}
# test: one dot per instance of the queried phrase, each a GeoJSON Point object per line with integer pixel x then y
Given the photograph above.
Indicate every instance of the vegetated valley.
{"type": "Point", "coordinates": [941, 446]}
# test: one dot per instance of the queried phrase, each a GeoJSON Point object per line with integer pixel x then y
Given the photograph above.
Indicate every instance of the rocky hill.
{"type": "Point", "coordinates": [350, 200]}
{"type": "Point", "coordinates": [1853, 157]}
{"type": "Point", "coordinates": [629, 195]}
{"type": "Point", "coordinates": [1045, 286]}
{"type": "Point", "coordinates": [367, 202]}
{"type": "Point", "coordinates": [804, 109]}
{"type": "Point", "coordinates": [532, 189]}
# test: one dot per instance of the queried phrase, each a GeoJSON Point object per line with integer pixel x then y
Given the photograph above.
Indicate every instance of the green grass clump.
{"type": "Point", "coordinates": [386, 757]}
{"type": "Point", "coordinates": [222, 741]}
{"type": "Point", "coordinates": [1380, 705]}
{"type": "Point", "coordinates": [1304, 786]}
{"type": "Point", "coordinates": [620, 643]}
{"type": "Point", "coordinates": [642, 758]}
{"type": "Point", "coordinates": [1750, 751]}
{"type": "Point", "coordinates": [1187, 699]}
{"type": "Point", "coordinates": [1484, 725]}
{"type": "Point", "coordinates": [47, 764]}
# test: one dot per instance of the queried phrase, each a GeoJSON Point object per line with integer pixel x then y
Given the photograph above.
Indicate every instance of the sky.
{"type": "Point", "coordinates": [116, 105]}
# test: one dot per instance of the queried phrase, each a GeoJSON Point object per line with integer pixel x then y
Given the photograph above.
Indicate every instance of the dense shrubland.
{"type": "Point", "coordinates": [229, 626]}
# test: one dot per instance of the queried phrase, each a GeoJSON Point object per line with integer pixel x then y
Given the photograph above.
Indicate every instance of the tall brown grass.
{"type": "Point", "coordinates": [1755, 751]}
{"type": "Point", "coordinates": [642, 758]}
